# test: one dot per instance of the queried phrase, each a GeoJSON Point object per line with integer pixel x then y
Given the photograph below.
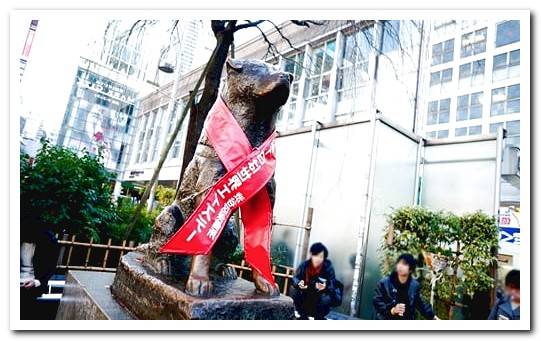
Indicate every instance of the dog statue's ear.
{"type": "Point", "coordinates": [233, 65]}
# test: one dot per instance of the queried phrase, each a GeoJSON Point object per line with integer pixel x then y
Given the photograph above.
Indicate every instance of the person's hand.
{"type": "Point", "coordinates": [29, 283]}
{"type": "Point", "coordinates": [398, 309]}
{"type": "Point", "coordinates": [302, 285]}
{"type": "Point", "coordinates": [321, 286]}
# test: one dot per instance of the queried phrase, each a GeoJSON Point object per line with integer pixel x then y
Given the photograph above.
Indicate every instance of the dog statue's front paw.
{"type": "Point", "coordinates": [226, 271]}
{"type": "Point", "coordinates": [198, 286]}
{"type": "Point", "coordinates": [265, 287]}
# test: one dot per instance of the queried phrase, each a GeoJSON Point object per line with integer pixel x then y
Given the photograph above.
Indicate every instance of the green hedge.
{"type": "Point", "coordinates": [72, 193]}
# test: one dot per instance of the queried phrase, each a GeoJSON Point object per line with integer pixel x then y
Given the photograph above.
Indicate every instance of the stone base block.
{"type": "Point", "coordinates": [149, 296]}
{"type": "Point", "coordinates": [87, 297]}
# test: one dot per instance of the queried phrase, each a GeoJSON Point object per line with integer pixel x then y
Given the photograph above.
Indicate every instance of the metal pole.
{"type": "Point", "coordinates": [497, 194]}
{"type": "Point", "coordinates": [419, 172]}
{"type": "Point", "coordinates": [417, 81]}
{"type": "Point", "coordinates": [362, 244]}
{"type": "Point", "coordinates": [306, 230]}
{"type": "Point", "coordinates": [498, 173]}
{"type": "Point", "coordinates": [364, 224]}
{"type": "Point", "coordinates": [300, 247]}
{"type": "Point", "coordinates": [171, 108]}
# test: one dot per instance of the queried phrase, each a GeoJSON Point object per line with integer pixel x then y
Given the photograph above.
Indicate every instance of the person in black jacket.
{"type": "Point", "coordinates": [507, 307]}
{"type": "Point", "coordinates": [314, 285]}
{"type": "Point", "coordinates": [398, 295]}
{"type": "Point", "coordinates": [39, 254]}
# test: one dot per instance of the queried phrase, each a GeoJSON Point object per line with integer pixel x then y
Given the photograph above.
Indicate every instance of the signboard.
{"type": "Point", "coordinates": [509, 225]}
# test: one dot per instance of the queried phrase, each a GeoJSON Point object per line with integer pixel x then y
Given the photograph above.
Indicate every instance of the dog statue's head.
{"type": "Point", "coordinates": [256, 85]}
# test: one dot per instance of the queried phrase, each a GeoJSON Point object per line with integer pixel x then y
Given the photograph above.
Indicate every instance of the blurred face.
{"type": "Point", "coordinates": [514, 293]}
{"type": "Point", "coordinates": [318, 259]}
{"type": "Point", "coordinates": [402, 268]}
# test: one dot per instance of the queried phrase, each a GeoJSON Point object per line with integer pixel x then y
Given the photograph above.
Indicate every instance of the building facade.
{"type": "Point", "coordinates": [474, 85]}
{"type": "Point", "coordinates": [30, 134]}
{"type": "Point", "coordinates": [356, 134]}
{"type": "Point", "coordinates": [111, 78]}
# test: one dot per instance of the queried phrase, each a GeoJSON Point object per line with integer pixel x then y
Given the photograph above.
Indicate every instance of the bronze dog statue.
{"type": "Point", "coordinates": [254, 92]}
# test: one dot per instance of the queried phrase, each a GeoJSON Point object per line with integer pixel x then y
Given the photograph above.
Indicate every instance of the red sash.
{"type": "Point", "coordinates": [248, 171]}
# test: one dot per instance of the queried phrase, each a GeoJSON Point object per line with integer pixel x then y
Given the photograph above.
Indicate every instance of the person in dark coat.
{"type": "Point", "coordinates": [398, 296]}
{"type": "Point", "coordinates": [39, 254]}
{"type": "Point", "coordinates": [314, 285]}
{"type": "Point", "coordinates": [507, 307]}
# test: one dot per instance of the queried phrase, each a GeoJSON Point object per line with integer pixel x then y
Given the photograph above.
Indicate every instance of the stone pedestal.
{"type": "Point", "coordinates": [148, 296]}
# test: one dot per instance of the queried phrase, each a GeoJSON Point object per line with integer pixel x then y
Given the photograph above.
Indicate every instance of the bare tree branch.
{"type": "Point", "coordinates": [283, 36]}
{"type": "Point", "coordinates": [174, 28]}
{"type": "Point", "coordinates": [135, 24]}
{"type": "Point", "coordinates": [307, 23]}
{"type": "Point", "coordinates": [248, 24]}
{"type": "Point", "coordinates": [271, 48]}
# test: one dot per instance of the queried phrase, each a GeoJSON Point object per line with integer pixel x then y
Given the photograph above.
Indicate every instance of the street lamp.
{"type": "Point", "coordinates": [166, 67]}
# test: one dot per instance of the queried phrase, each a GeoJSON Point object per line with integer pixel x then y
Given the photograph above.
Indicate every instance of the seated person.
{"type": "Point", "coordinates": [39, 254]}
{"type": "Point", "coordinates": [398, 295]}
{"type": "Point", "coordinates": [508, 306]}
{"type": "Point", "coordinates": [314, 284]}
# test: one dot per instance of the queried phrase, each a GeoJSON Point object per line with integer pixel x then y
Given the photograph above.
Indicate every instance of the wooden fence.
{"type": "Point", "coordinates": [85, 259]}
{"type": "Point", "coordinates": [87, 255]}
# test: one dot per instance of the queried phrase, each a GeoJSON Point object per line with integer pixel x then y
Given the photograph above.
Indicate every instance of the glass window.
{"type": "Point", "coordinates": [473, 43]}
{"type": "Point", "coordinates": [156, 144]}
{"type": "Point", "coordinates": [162, 111]}
{"type": "Point", "coordinates": [175, 149]}
{"type": "Point", "coordinates": [464, 70]}
{"type": "Point", "coordinates": [461, 131]}
{"type": "Point", "coordinates": [513, 128]}
{"type": "Point", "coordinates": [505, 100]}
{"type": "Point", "coordinates": [514, 57]}
{"type": "Point", "coordinates": [443, 134]}
{"type": "Point", "coordinates": [149, 135]}
{"type": "Point", "coordinates": [439, 78]}
{"type": "Point", "coordinates": [178, 144]}
{"type": "Point", "coordinates": [506, 65]}
{"type": "Point", "coordinates": [471, 74]}
{"type": "Point", "coordinates": [318, 81]}
{"type": "Point", "coordinates": [438, 111]}
{"type": "Point", "coordinates": [474, 130]}
{"type": "Point", "coordinates": [469, 107]}
{"type": "Point", "coordinates": [464, 131]}
{"type": "Point", "coordinates": [435, 78]}
{"type": "Point", "coordinates": [507, 32]}
{"type": "Point", "coordinates": [293, 65]}
{"type": "Point", "coordinates": [431, 134]}
{"type": "Point", "coordinates": [141, 140]}
{"type": "Point", "coordinates": [439, 134]}
{"type": "Point", "coordinates": [443, 52]}
{"type": "Point", "coordinates": [446, 75]}
{"type": "Point", "coordinates": [494, 127]}
{"type": "Point", "coordinates": [352, 77]}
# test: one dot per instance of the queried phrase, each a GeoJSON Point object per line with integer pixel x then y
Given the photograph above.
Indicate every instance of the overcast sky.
{"type": "Point", "coordinates": [53, 60]}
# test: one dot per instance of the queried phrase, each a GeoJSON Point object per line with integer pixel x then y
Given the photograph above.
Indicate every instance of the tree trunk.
{"type": "Point", "coordinates": [199, 112]}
